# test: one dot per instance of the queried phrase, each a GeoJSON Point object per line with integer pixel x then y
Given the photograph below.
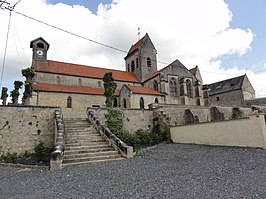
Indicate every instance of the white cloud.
{"type": "Point", "coordinates": [195, 32]}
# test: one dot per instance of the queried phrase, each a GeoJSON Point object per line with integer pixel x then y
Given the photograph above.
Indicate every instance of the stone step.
{"type": "Point", "coordinates": [84, 140]}
{"type": "Point", "coordinates": [87, 150]}
{"type": "Point", "coordinates": [90, 162]}
{"type": "Point", "coordinates": [93, 158]}
{"type": "Point", "coordinates": [85, 144]}
{"type": "Point", "coordinates": [88, 147]}
{"type": "Point", "coordinates": [78, 127]}
{"type": "Point", "coordinates": [80, 130]}
{"type": "Point", "coordinates": [75, 119]}
{"type": "Point", "coordinates": [77, 156]}
{"type": "Point", "coordinates": [82, 136]}
{"type": "Point", "coordinates": [80, 133]}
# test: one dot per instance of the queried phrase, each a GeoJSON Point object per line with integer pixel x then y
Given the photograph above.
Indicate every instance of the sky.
{"type": "Point", "coordinates": [224, 38]}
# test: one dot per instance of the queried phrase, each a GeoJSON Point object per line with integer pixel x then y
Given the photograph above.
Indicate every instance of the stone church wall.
{"type": "Point", "coordinates": [80, 102]}
{"type": "Point", "coordinates": [74, 81]}
{"type": "Point", "coordinates": [22, 128]}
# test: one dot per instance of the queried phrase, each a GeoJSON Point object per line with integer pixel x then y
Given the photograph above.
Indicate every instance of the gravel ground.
{"type": "Point", "coordinates": [165, 171]}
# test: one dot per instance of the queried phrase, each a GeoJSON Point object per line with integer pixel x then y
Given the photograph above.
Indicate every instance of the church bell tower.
{"type": "Point", "coordinates": [39, 50]}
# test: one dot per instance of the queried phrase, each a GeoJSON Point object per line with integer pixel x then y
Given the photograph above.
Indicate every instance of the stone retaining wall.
{"type": "Point", "coordinates": [22, 128]}
{"type": "Point", "coordinates": [134, 119]}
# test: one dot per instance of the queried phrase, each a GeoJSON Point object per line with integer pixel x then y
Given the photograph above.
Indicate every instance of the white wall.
{"type": "Point", "coordinates": [249, 132]}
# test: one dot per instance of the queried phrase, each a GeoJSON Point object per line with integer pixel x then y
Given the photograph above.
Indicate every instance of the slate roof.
{"type": "Point", "coordinates": [69, 89]}
{"type": "Point", "coordinates": [226, 85]}
{"type": "Point", "coordinates": [82, 71]}
{"type": "Point", "coordinates": [143, 90]}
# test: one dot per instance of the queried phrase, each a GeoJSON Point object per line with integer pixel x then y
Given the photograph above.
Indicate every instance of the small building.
{"type": "Point", "coordinates": [231, 92]}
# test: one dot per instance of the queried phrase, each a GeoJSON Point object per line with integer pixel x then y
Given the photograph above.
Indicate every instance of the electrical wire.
{"type": "Point", "coordinates": [4, 58]}
{"type": "Point", "coordinates": [11, 9]}
{"type": "Point", "coordinates": [79, 36]}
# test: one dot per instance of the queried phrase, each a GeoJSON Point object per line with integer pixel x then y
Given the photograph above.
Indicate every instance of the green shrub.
{"type": "Point", "coordinates": [138, 140]}
{"type": "Point", "coordinates": [114, 121]}
{"type": "Point", "coordinates": [10, 156]}
{"type": "Point", "coordinates": [42, 151]}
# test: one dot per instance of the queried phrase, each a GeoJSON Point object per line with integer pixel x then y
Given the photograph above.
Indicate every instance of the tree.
{"type": "Point", "coordinates": [109, 88]}
{"type": "Point", "coordinates": [15, 93]}
{"type": "Point", "coordinates": [29, 74]}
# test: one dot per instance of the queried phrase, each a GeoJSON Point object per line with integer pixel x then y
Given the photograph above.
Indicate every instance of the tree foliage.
{"type": "Point", "coordinates": [114, 121]}
{"type": "Point", "coordinates": [29, 74]}
{"type": "Point", "coordinates": [109, 88]}
{"type": "Point", "coordinates": [15, 93]}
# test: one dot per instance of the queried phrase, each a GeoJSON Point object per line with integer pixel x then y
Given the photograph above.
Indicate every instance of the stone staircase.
{"type": "Point", "coordinates": [84, 145]}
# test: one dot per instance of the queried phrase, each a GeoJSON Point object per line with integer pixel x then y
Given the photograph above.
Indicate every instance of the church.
{"type": "Point", "coordinates": [75, 87]}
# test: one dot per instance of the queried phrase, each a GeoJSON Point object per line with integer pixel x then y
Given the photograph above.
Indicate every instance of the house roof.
{"type": "Point", "coordinates": [82, 71]}
{"type": "Point", "coordinates": [226, 85]}
{"type": "Point", "coordinates": [69, 89]}
{"type": "Point", "coordinates": [143, 90]}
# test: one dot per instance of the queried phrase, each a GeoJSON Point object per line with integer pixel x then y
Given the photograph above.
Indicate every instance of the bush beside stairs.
{"type": "Point", "coordinates": [84, 145]}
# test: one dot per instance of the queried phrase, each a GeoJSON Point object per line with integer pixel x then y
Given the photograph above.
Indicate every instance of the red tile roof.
{"type": "Point", "coordinates": [193, 71]}
{"type": "Point", "coordinates": [143, 90]}
{"type": "Point", "coordinates": [135, 46]}
{"type": "Point", "coordinates": [82, 71]}
{"type": "Point", "coordinates": [69, 89]}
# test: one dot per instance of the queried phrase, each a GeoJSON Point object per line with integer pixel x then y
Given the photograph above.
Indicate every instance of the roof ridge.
{"type": "Point", "coordinates": [229, 79]}
{"type": "Point", "coordinates": [88, 66]}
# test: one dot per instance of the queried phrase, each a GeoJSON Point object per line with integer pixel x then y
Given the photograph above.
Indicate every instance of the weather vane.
{"type": "Point", "coordinates": [139, 33]}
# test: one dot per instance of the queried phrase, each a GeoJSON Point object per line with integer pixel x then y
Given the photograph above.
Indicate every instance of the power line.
{"type": "Point", "coordinates": [4, 59]}
{"type": "Point", "coordinates": [11, 9]}
{"type": "Point", "coordinates": [76, 35]}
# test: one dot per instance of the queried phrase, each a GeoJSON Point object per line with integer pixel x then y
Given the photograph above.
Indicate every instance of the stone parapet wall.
{"type": "Point", "coordinates": [257, 101]}
{"type": "Point", "coordinates": [22, 128]}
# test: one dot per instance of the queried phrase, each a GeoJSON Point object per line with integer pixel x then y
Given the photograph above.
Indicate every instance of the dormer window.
{"type": "Point", "coordinates": [149, 62]}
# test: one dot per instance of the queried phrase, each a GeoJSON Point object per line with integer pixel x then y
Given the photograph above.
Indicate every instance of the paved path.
{"type": "Point", "coordinates": [166, 171]}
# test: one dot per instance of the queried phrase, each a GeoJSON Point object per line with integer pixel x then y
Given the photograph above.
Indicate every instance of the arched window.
{"type": "Point", "coordinates": [137, 62]}
{"type": "Point", "coordinates": [99, 84]}
{"type": "Point", "coordinates": [79, 82]}
{"type": "Point", "coordinates": [141, 103]}
{"type": "Point", "coordinates": [58, 80]}
{"type": "Point", "coordinates": [189, 88]}
{"type": "Point", "coordinates": [149, 62]}
{"type": "Point", "coordinates": [128, 68]}
{"type": "Point", "coordinates": [156, 100]}
{"type": "Point", "coordinates": [69, 102]}
{"type": "Point", "coordinates": [172, 87]}
{"type": "Point", "coordinates": [115, 102]}
{"type": "Point", "coordinates": [40, 45]}
{"type": "Point", "coordinates": [155, 85]}
{"type": "Point", "coordinates": [132, 66]}
{"type": "Point", "coordinates": [124, 103]}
